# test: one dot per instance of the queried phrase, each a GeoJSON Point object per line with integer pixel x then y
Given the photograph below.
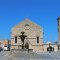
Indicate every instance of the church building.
{"type": "Point", "coordinates": [33, 36]}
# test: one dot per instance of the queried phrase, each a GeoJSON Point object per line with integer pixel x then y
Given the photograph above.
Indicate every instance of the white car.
{"type": "Point", "coordinates": [5, 48]}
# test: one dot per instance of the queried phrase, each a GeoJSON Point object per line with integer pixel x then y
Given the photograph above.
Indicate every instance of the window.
{"type": "Point", "coordinates": [15, 39]}
{"type": "Point", "coordinates": [37, 39]}
{"type": "Point", "coordinates": [26, 25]}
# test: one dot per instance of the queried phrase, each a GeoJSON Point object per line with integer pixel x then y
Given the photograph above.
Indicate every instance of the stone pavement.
{"type": "Point", "coordinates": [6, 55]}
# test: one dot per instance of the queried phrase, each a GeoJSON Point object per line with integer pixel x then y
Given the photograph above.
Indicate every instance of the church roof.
{"type": "Point", "coordinates": [26, 20]}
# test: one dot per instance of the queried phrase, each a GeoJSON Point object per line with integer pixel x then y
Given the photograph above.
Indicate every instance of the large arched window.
{"type": "Point", "coordinates": [26, 26]}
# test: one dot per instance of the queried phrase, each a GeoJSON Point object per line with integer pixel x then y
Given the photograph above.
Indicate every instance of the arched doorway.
{"type": "Point", "coordinates": [50, 48]}
{"type": "Point", "coordinates": [27, 46]}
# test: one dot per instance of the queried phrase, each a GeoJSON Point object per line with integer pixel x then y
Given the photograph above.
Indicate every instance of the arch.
{"type": "Point", "coordinates": [27, 46]}
{"type": "Point", "coordinates": [50, 48]}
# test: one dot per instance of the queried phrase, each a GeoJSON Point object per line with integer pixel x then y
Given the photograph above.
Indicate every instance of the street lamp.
{"type": "Point", "coordinates": [49, 48]}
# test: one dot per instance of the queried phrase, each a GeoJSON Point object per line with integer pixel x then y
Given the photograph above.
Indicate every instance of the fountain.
{"type": "Point", "coordinates": [22, 39]}
{"type": "Point", "coordinates": [24, 48]}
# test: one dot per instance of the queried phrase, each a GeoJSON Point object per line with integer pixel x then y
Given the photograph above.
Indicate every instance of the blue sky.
{"type": "Point", "coordinates": [42, 12]}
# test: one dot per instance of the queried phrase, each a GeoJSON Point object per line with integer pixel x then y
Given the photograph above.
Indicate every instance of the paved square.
{"type": "Point", "coordinates": [5, 55]}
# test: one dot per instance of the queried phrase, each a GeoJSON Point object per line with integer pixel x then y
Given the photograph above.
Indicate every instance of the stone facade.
{"type": "Point", "coordinates": [33, 32]}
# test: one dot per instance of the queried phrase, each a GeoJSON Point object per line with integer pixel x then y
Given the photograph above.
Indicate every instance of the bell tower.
{"type": "Point", "coordinates": [58, 20]}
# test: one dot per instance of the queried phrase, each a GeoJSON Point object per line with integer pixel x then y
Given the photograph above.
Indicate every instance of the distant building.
{"type": "Point", "coordinates": [4, 44]}
{"type": "Point", "coordinates": [50, 47]}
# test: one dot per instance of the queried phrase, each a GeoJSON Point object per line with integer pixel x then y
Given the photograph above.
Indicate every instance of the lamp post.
{"type": "Point", "coordinates": [49, 48]}
{"type": "Point", "coordinates": [9, 45]}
